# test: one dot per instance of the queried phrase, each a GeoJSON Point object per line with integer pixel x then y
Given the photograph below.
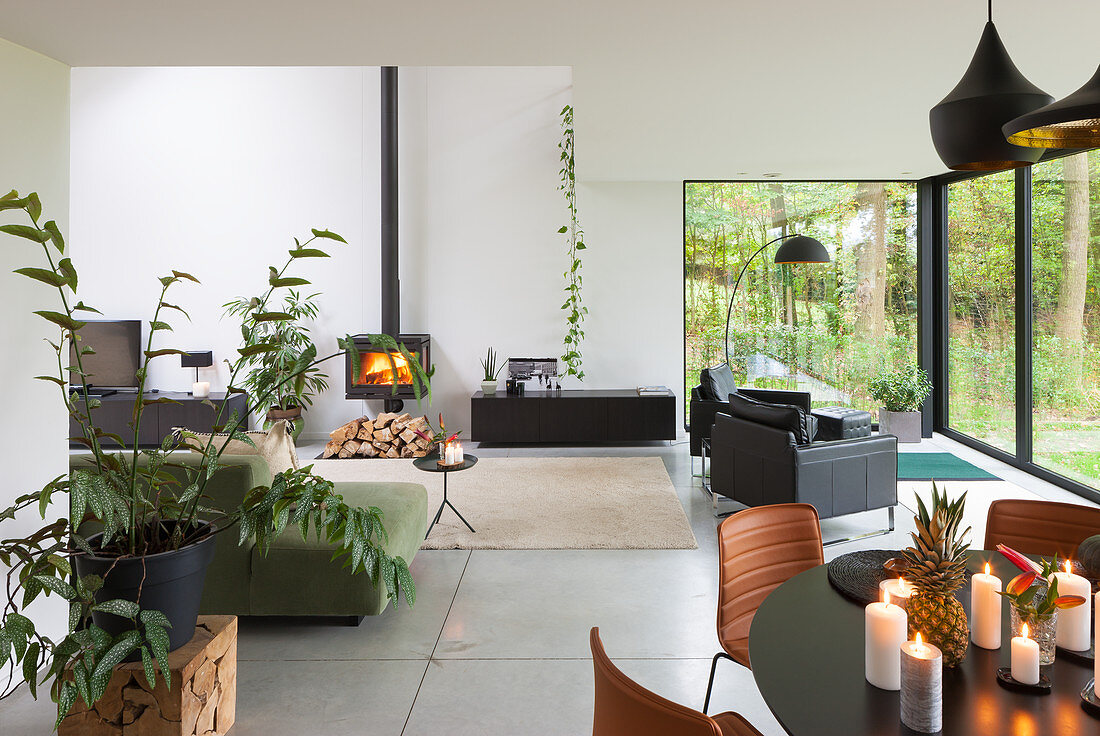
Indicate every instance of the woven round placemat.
{"type": "Point", "coordinates": [856, 575]}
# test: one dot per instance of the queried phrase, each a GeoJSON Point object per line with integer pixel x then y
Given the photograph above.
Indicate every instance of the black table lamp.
{"type": "Point", "coordinates": [797, 249]}
{"type": "Point", "coordinates": [202, 359]}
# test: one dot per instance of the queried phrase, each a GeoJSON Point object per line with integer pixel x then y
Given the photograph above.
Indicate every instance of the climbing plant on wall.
{"type": "Point", "coordinates": [574, 236]}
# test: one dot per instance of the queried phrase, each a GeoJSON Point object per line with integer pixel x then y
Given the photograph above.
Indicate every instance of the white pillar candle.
{"type": "Point", "coordinates": [459, 455]}
{"type": "Point", "coordinates": [1025, 658]}
{"type": "Point", "coordinates": [1074, 624]}
{"type": "Point", "coordinates": [898, 589]}
{"type": "Point", "coordinates": [200, 389]}
{"type": "Point", "coordinates": [449, 455]}
{"type": "Point", "coordinates": [921, 686]}
{"type": "Point", "coordinates": [1096, 660]}
{"type": "Point", "coordinates": [985, 610]}
{"type": "Point", "coordinates": [884, 634]}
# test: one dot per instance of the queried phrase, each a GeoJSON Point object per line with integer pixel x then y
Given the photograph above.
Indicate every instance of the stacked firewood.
{"type": "Point", "coordinates": [387, 435]}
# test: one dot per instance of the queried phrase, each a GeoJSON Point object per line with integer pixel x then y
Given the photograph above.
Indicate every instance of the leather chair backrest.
{"type": "Point", "coordinates": [625, 708]}
{"type": "Point", "coordinates": [780, 416]}
{"type": "Point", "coordinates": [1046, 528]}
{"type": "Point", "coordinates": [716, 382]}
{"type": "Point", "coordinates": [759, 549]}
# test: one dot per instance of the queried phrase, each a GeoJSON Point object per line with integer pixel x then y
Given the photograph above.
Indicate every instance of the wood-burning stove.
{"type": "Point", "coordinates": [375, 378]}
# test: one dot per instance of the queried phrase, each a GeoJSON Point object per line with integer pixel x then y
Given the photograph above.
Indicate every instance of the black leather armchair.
{"type": "Point", "coordinates": [757, 464]}
{"type": "Point", "coordinates": [709, 398]}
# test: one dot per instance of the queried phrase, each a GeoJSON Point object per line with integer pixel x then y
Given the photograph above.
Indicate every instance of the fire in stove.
{"type": "Point", "coordinates": [375, 369]}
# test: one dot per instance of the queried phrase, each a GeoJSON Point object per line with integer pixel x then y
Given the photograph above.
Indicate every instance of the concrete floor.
{"type": "Point", "coordinates": [498, 640]}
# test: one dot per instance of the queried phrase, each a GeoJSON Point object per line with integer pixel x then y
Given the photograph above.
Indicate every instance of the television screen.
{"type": "Point", "coordinates": [117, 357]}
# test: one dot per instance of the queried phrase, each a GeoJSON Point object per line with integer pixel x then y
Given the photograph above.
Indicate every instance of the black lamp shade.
{"type": "Point", "coordinates": [966, 125]}
{"type": "Point", "coordinates": [203, 359]}
{"type": "Point", "coordinates": [1071, 122]}
{"type": "Point", "coordinates": [802, 249]}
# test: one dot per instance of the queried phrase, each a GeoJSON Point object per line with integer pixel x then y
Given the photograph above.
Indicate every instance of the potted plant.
{"type": "Point", "coordinates": [270, 372]}
{"type": "Point", "coordinates": [489, 365]}
{"type": "Point", "coordinates": [901, 392]}
{"type": "Point", "coordinates": [133, 519]}
{"type": "Point", "coordinates": [1035, 601]}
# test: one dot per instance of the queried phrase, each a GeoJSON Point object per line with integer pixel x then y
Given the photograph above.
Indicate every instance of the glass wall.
{"type": "Point", "coordinates": [981, 311]}
{"type": "Point", "coordinates": [826, 329]}
{"type": "Point", "coordinates": [1066, 316]}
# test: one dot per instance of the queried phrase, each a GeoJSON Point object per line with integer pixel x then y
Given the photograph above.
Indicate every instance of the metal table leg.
{"type": "Point", "coordinates": [447, 502]}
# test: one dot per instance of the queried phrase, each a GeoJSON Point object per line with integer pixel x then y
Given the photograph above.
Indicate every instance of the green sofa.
{"type": "Point", "coordinates": [295, 577]}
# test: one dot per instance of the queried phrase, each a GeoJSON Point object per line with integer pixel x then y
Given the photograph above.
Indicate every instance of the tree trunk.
{"type": "Point", "coordinates": [871, 264]}
{"type": "Point", "coordinates": [1070, 315]}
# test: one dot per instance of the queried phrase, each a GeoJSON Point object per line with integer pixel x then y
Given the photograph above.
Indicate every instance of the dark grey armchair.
{"type": "Point", "coordinates": [764, 454]}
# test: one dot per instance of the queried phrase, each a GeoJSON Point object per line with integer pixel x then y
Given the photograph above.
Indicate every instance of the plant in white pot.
{"type": "Point", "coordinates": [492, 370]}
{"type": "Point", "coordinates": [901, 392]}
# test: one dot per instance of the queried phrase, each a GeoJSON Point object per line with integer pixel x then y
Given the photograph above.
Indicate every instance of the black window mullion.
{"type": "Point", "coordinates": [1023, 314]}
{"type": "Point", "coordinates": [939, 305]}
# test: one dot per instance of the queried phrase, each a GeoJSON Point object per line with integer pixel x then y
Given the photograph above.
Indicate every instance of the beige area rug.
{"type": "Point", "coordinates": [979, 495]}
{"type": "Point", "coordinates": [542, 503]}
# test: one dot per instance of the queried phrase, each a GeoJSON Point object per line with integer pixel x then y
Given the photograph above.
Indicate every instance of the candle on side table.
{"type": "Point", "coordinates": [883, 636]}
{"type": "Point", "coordinates": [1074, 623]}
{"type": "Point", "coordinates": [985, 610]}
{"type": "Point", "coordinates": [921, 686]}
{"type": "Point", "coordinates": [1025, 659]}
{"type": "Point", "coordinates": [200, 389]}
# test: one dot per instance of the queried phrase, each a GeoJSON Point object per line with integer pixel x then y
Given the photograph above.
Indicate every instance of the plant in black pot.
{"type": "Point", "coordinates": [901, 390]}
{"type": "Point", "coordinates": [272, 383]}
{"type": "Point", "coordinates": [128, 554]}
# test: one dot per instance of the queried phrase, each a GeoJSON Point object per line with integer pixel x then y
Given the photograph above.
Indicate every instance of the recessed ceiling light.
{"type": "Point", "coordinates": [742, 173]}
{"type": "Point", "coordinates": [772, 175]}
{"type": "Point", "coordinates": [906, 173]}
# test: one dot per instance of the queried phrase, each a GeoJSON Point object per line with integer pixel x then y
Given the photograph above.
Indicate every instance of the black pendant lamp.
{"type": "Point", "coordinates": [1071, 122]}
{"type": "Point", "coordinates": [966, 125]}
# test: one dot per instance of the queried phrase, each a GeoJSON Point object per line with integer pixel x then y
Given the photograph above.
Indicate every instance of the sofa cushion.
{"type": "Point", "coordinates": [716, 382]}
{"type": "Point", "coordinates": [780, 416]}
{"type": "Point", "coordinates": [276, 446]}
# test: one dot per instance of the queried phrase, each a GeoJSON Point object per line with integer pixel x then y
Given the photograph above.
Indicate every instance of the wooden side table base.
{"type": "Point", "coordinates": [202, 701]}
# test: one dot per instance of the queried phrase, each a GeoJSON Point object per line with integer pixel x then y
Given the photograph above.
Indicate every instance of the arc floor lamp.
{"type": "Point", "coordinates": [797, 249]}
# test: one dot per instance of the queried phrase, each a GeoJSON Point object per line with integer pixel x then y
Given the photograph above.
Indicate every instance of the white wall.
{"type": "Point", "coordinates": [34, 151]}
{"type": "Point", "coordinates": [213, 171]}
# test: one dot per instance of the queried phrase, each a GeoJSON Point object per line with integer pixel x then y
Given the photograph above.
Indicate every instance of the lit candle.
{"type": "Point", "coordinates": [449, 455]}
{"type": "Point", "coordinates": [921, 686]}
{"type": "Point", "coordinates": [1074, 623]}
{"type": "Point", "coordinates": [1025, 658]}
{"type": "Point", "coordinates": [883, 636]}
{"type": "Point", "coordinates": [985, 610]}
{"type": "Point", "coordinates": [459, 455]}
{"type": "Point", "coordinates": [898, 589]}
{"type": "Point", "coordinates": [200, 389]}
{"type": "Point", "coordinates": [1096, 660]}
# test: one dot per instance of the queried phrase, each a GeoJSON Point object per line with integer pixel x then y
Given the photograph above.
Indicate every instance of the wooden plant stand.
{"type": "Point", "coordinates": [202, 701]}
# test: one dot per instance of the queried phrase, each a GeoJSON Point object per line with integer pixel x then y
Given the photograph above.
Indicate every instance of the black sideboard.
{"type": "Point", "coordinates": [113, 415]}
{"type": "Point", "coordinates": [553, 417]}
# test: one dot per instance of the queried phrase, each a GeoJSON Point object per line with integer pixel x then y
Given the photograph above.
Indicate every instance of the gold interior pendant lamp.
{"type": "Point", "coordinates": [1071, 122]}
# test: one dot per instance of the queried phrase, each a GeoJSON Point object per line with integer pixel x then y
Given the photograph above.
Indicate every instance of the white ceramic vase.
{"type": "Point", "coordinates": [488, 388]}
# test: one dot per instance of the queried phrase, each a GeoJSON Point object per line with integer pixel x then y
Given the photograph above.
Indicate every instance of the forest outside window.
{"type": "Point", "coordinates": [826, 329]}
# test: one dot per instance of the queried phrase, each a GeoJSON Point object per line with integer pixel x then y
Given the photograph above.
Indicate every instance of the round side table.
{"type": "Point", "coordinates": [430, 464]}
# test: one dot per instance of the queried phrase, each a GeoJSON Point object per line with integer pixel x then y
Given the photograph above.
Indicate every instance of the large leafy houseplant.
{"type": "Point", "coordinates": [573, 306]}
{"type": "Point", "coordinates": [145, 502]}
{"type": "Point", "coordinates": [271, 373]}
{"type": "Point", "coordinates": [901, 389]}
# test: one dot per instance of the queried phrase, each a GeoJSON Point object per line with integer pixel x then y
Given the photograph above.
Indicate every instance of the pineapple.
{"type": "Point", "coordinates": [936, 567]}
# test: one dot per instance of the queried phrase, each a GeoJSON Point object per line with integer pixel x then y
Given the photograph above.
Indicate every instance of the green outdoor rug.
{"type": "Point", "coordinates": [938, 466]}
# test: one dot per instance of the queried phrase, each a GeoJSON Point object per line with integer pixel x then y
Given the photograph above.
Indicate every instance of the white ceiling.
{"type": "Point", "coordinates": [664, 91]}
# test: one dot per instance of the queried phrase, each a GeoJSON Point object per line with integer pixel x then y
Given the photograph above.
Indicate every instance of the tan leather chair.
{"type": "Point", "coordinates": [625, 708]}
{"type": "Point", "coordinates": [759, 549]}
{"type": "Point", "coordinates": [1046, 528]}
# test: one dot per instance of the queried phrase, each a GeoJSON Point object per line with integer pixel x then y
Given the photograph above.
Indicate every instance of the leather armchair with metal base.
{"type": "Point", "coordinates": [757, 464]}
{"type": "Point", "coordinates": [708, 399]}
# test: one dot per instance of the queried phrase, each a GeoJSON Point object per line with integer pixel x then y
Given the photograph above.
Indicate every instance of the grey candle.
{"type": "Point", "coordinates": [921, 686]}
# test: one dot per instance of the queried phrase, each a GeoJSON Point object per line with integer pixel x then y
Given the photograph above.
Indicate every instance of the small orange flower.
{"type": "Point", "coordinates": [1021, 582]}
{"type": "Point", "coordinates": [1068, 601]}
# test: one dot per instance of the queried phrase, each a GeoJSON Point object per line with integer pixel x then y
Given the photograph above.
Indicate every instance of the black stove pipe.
{"type": "Point", "coordinates": [391, 286]}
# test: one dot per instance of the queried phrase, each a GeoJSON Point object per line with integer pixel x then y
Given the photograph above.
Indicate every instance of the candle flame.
{"type": "Point", "coordinates": [1069, 567]}
{"type": "Point", "coordinates": [918, 639]}
{"type": "Point", "coordinates": [987, 568]}
{"type": "Point", "coordinates": [1024, 631]}
{"type": "Point", "coordinates": [886, 597]}
{"type": "Point", "coordinates": [901, 585]}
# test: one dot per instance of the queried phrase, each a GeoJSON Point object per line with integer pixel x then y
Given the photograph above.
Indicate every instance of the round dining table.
{"type": "Point", "coordinates": [806, 648]}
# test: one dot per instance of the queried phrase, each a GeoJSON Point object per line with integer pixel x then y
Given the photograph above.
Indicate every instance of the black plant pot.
{"type": "Point", "coordinates": [169, 582]}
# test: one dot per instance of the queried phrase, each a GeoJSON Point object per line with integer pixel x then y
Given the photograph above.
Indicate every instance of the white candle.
{"type": "Point", "coordinates": [985, 610]}
{"type": "Point", "coordinates": [898, 589]}
{"type": "Point", "coordinates": [1025, 658]}
{"type": "Point", "coordinates": [1096, 660]}
{"type": "Point", "coordinates": [921, 686]}
{"type": "Point", "coordinates": [1074, 623]}
{"type": "Point", "coordinates": [459, 455]}
{"type": "Point", "coordinates": [200, 389]}
{"type": "Point", "coordinates": [449, 455]}
{"type": "Point", "coordinates": [884, 634]}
